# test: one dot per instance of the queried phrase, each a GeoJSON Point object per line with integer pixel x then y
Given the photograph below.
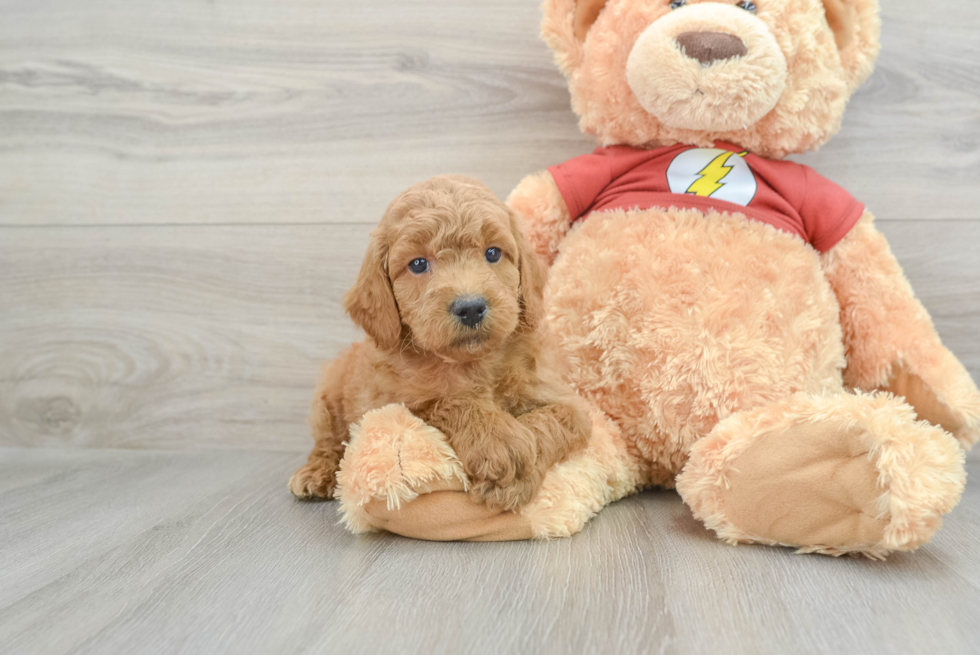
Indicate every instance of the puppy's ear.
{"type": "Point", "coordinates": [371, 302]}
{"type": "Point", "coordinates": [856, 26]}
{"type": "Point", "coordinates": [534, 275]}
{"type": "Point", "coordinates": [564, 27]}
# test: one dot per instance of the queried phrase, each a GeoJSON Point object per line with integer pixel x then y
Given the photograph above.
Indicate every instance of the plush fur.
{"type": "Point", "coordinates": [915, 471]}
{"type": "Point", "coordinates": [426, 499]}
{"type": "Point", "coordinates": [794, 398]}
{"type": "Point", "coordinates": [629, 301]}
{"type": "Point", "coordinates": [676, 322]}
{"type": "Point", "coordinates": [488, 386]}
{"type": "Point", "coordinates": [891, 342]}
{"type": "Point", "coordinates": [818, 78]}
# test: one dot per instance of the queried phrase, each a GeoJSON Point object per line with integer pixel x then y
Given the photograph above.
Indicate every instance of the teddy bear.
{"type": "Point", "coordinates": [739, 326]}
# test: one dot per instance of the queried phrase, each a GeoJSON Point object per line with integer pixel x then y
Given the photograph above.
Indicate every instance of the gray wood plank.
{"type": "Point", "coordinates": [149, 552]}
{"type": "Point", "coordinates": [217, 167]}
{"type": "Point", "coordinates": [292, 110]}
{"type": "Point", "coordinates": [199, 337]}
{"type": "Point", "coordinates": [196, 337]}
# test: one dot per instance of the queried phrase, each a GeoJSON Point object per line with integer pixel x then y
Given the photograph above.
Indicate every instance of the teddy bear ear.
{"type": "Point", "coordinates": [856, 25]}
{"type": "Point", "coordinates": [565, 25]}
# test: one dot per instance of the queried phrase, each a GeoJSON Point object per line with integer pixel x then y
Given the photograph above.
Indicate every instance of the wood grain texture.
{"type": "Point", "coordinates": [199, 337]}
{"type": "Point", "coordinates": [185, 194]}
{"type": "Point", "coordinates": [260, 111]}
{"type": "Point", "coordinates": [149, 552]}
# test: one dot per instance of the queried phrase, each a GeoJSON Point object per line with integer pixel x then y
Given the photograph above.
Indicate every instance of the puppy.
{"type": "Point", "coordinates": [450, 297]}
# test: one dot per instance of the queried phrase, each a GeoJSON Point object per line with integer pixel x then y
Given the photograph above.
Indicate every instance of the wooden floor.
{"type": "Point", "coordinates": [186, 190]}
{"type": "Point", "coordinates": [116, 551]}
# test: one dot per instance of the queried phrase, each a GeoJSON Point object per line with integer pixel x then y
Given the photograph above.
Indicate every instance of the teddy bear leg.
{"type": "Point", "coordinates": [828, 474]}
{"type": "Point", "coordinates": [400, 475]}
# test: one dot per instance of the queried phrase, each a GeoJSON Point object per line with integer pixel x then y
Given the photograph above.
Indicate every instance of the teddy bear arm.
{"type": "Point", "coordinates": [400, 475]}
{"type": "Point", "coordinates": [890, 340]}
{"type": "Point", "coordinates": [537, 200]}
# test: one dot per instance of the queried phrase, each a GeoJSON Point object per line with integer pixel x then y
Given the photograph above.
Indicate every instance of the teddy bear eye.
{"type": "Point", "coordinates": [677, 4]}
{"type": "Point", "coordinates": [747, 5]}
{"type": "Point", "coordinates": [418, 266]}
{"type": "Point", "coordinates": [492, 255]}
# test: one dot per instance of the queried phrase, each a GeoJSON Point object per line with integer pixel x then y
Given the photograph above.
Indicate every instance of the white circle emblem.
{"type": "Point", "coordinates": [713, 173]}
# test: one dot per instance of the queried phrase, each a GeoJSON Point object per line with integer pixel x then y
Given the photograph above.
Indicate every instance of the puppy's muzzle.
{"type": "Point", "coordinates": [469, 310]}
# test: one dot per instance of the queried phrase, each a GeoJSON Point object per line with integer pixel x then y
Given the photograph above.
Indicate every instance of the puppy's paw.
{"type": "Point", "coordinates": [507, 496]}
{"type": "Point", "coordinates": [503, 479]}
{"type": "Point", "coordinates": [314, 481]}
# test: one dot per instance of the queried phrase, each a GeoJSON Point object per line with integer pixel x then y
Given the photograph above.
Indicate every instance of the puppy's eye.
{"type": "Point", "coordinates": [419, 266]}
{"type": "Point", "coordinates": [493, 255]}
{"type": "Point", "coordinates": [747, 5]}
{"type": "Point", "coordinates": [677, 4]}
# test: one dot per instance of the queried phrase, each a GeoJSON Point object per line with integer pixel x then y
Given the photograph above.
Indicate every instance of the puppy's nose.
{"type": "Point", "coordinates": [469, 310]}
{"type": "Point", "coordinates": [709, 47]}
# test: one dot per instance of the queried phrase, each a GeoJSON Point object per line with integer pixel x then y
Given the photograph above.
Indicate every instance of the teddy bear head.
{"type": "Point", "coordinates": [771, 76]}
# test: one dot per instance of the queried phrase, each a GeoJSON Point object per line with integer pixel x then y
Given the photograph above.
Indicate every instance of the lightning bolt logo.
{"type": "Point", "coordinates": [712, 176]}
{"type": "Point", "coordinates": [721, 176]}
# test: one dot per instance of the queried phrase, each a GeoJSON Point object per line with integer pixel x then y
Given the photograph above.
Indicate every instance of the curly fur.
{"type": "Point", "coordinates": [678, 322]}
{"type": "Point", "coordinates": [489, 387]}
{"type": "Point", "coordinates": [401, 475]}
{"type": "Point", "coordinates": [720, 347]}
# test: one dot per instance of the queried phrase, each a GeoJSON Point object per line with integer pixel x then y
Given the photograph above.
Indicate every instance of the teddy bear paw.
{"type": "Point", "coordinates": [393, 456]}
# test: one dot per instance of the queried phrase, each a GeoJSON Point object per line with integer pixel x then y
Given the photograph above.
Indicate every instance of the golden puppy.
{"type": "Point", "coordinates": [450, 297]}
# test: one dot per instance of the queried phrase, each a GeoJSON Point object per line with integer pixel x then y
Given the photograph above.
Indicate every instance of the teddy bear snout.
{"type": "Point", "coordinates": [709, 47]}
{"type": "Point", "coordinates": [710, 66]}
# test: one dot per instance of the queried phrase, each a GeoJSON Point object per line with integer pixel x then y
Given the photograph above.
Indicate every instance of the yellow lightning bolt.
{"type": "Point", "coordinates": [711, 176]}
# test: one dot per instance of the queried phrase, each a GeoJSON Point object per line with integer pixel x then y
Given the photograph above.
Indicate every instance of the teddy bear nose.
{"type": "Point", "coordinates": [709, 47]}
{"type": "Point", "coordinates": [469, 310]}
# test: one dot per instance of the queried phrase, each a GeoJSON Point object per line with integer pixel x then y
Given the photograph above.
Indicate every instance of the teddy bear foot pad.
{"type": "Point", "coordinates": [829, 474]}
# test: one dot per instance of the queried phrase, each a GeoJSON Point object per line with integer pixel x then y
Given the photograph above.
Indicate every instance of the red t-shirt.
{"type": "Point", "coordinates": [784, 194]}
